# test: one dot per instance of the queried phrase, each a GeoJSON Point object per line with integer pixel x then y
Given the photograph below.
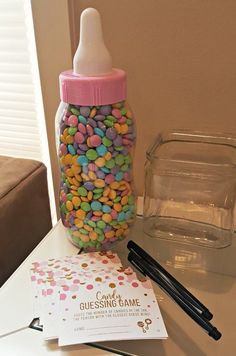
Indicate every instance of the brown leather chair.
{"type": "Point", "coordinates": [24, 211]}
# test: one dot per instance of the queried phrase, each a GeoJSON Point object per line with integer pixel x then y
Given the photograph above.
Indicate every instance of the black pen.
{"type": "Point", "coordinates": [147, 270]}
{"type": "Point", "coordinates": [171, 280]}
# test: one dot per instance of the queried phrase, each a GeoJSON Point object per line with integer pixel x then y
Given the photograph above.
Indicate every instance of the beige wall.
{"type": "Point", "coordinates": [52, 32]}
{"type": "Point", "coordinates": [180, 56]}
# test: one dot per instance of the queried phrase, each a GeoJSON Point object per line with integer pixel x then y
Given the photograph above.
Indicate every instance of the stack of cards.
{"type": "Point", "coordinates": [91, 297]}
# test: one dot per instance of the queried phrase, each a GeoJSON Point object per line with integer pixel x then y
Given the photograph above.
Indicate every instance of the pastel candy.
{"type": "Point", "coordinates": [96, 200]}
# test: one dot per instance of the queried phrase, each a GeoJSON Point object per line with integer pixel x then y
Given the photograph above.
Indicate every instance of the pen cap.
{"type": "Point", "coordinates": [92, 81]}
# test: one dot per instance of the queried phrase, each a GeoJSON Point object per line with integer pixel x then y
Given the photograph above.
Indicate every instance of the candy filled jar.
{"type": "Point", "coordinates": [95, 142]}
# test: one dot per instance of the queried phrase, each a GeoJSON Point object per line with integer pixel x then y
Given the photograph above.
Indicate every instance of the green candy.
{"type": "Point", "coordinates": [72, 131]}
{"type": "Point", "coordinates": [117, 199]}
{"type": "Point", "coordinates": [91, 154]}
{"type": "Point", "coordinates": [119, 148]}
{"type": "Point", "coordinates": [85, 206]}
{"type": "Point", "coordinates": [110, 164]}
{"type": "Point", "coordinates": [67, 183]}
{"type": "Point", "coordinates": [92, 243]}
{"type": "Point", "coordinates": [69, 196]}
{"type": "Point", "coordinates": [98, 246]}
{"type": "Point", "coordinates": [108, 123]}
{"type": "Point", "coordinates": [111, 118]}
{"type": "Point", "coordinates": [63, 208]}
{"type": "Point", "coordinates": [75, 239]}
{"type": "Point", "coordinates": [124, 168]}
{"type": "Point", "coordinates": [101, 224]}
{"type": "Point", "coordinates": [91, 223]}
{"type": "Point", "coordinates": [123, 111]}
{"type": "Point", "coordinates": [83, 231]}
{"type": "Point", "coordinates": [106, 142]}
{"type": "Point", "coordinates": [130, 200]}
{"type": "Point", "coordinates": [120, 159]}
{"type": "Point", "coordinates": [101, 237]}
{"type": "Point", "coordinates": [127, 159]}
{"type": "Point", "coordinates": [125, 208]}
{"type": "Point", "coordinates": [98, 231]}
{"type": "Point", "coordinates": [97, 196]}
{"type": "Point", "coordinates": [82, 191]}
{"type": "Point", "coordinates": [74, 111]}
{"type": "Point", "coordinates": [113, 223]}
{"type": "Point", "coordinates": [129, 122]}
{"type": "Point", "coordinates": [98, 190]}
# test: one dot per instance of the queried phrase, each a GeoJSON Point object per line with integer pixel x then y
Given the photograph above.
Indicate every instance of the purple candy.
{"type": "Point", "coordinates": [84, 111]}
{"type": "Point", "coordinates": [83, 147]}
{"type": "Point", "coordinates": [92, 122]}
{"type": "Point", "coordinates": [80, 152]}
{"type": "Point", "coordinates": [118, 140]}
{"type": "Point", "coordinates": [85, 168]}
{"type": "Point", "coordinates": [125, 151]}
{"type": "Point", "coordinates": [101, 126]}
{"type": "Point", "coordinates": [89, 215]}
{"type": "Point", "coordinates": [100, 174]}
{"type": "Point", "coordinates": [107, 228]}
{"type": "Point", "coordinates": [115, 153]}
{"type": "Point", "coordinates": [75, 145]}
{"type": "Point", "coordinates": [111, 133]}
{"type": "Point", "coordinates": [89, 185]}
{"type": "Point", "coordinates": [99, 117]}
{"type": "Point", "coordinates": [105, 110]}
{"type": "Point", "coordinates": [115, 170]}
{"type": "Point", "coordinates": [62, 127]}
{"type": "Point", "coordinates": [110, 149]}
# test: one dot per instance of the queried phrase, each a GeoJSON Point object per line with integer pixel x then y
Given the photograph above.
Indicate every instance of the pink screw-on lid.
{"type": "Point", "coordinates": [93, 90]}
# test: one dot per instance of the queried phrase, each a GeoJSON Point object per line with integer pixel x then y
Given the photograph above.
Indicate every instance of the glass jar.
{"type": "Point", "coordinates": [190, 188]}
{"type": "Point", "coordinates": [95, 148]}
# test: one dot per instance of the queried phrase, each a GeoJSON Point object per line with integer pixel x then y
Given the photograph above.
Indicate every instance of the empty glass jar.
{"type": "Point", "coordinates": [190, 187]}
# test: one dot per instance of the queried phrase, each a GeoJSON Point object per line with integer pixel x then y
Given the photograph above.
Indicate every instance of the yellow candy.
{"type": "Point", "coordinates": [78, 223]}
{"type": "Point", "coordinates": [110, 203]}
{"type": "Point", "coordinates": [62, 138]}
{"type": "Point", "coordinates": [93, 112]}
{"type": "Point", "coordinates": [124, 200]}
{"type": "Point", "coordinates": [126, 232]}
{"type": "Point", "coordinates": [122, 187]}
{"type": "Point", "coordinates": [75, 182]}
{"type": "Point", "coordinates": [129, 114]}
{"type": "Point", "coordinates": [103, 199]}
{"type": "Point", "coordinates": [68, 159]}
{"type": "Point", "coordinates": [74, 192]}
{"type": "Point", "coordinates": [97, 213]}
{"type": "Point", "coordinates": [124, 128]}
{"type": "Point", "coordinates": [70, 180]}
{"type": "Point", "coordinates": [106, 191]}
{"type": "Point", "coordinates": [69, 139]}
{"type": "Point", "coordinates": [107, 218]}
{"type": "Point", "coordinates": [109, 234]}
{"type": "Point", "coordinates": [89, 143]}
{"type": "Point", "coordinates": [99, 183]}
{"type": "Point", "coordinates": [84, 199]}
{"type": "Point", "coordinates": [125, 226]}
{"type": "Point", "coordinates": [78, 177]}
{"type": "Point", "coordinates": [69, 205]}
{"type": "Point", "coordinates": [115, 185]}
{"type": "Point", "coordinates": [76, 233]}
{"type": "Point", "coordinates": [88, 228]}
{"type": "Point", "coordinates": [76, 201]}
{"type": "Point", "coordinates": [85, 177]}
{"type": "Point", "coordinates": [112, 194]}
{"type": "Point", "coordinates": [76, 169]}
{"type": "Point", "coordinates": [90, 196]}
{"type": "Point", "coordinates": [80, 214]}
{"type": "Point", "coordinates": [92, 175]}
{"type": "Point", "coordinates": [93, 235]}
{"type": "Point", "coordinates": [65, 132]}
{"type": "Point", "coordinates": [74, 160]}
{"type": "Point", "coordinates": [107, 156]}
{"type": "Point", "coordinates": [84, 238]}
{"type": "Point", "coordinates": [100, 162]}
{"type": "Point", "coordinates": [118, 128]}
{"type": "Point", "coordinates": [117, 105]}
{"type": "Point", "coordinates": [119, 232]}
{"type": "Point", "coordinates": [69, 172]}
{"type": "Point", "coordinates": [117, 207]}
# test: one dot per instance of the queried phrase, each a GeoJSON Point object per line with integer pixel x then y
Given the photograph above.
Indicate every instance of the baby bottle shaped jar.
{"type": "Point", "coordinates": [96, 137]}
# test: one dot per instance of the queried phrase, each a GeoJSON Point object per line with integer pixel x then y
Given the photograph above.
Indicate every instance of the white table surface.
{"type": "Point", "coordinates": [215, 290]}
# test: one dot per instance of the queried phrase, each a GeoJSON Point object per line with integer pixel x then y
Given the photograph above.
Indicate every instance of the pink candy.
{"type": "Point", "coordinates": [63, 149]}
{"type": "Point", "coordinates": [116, 113]}
{"type": "Point", "coordinates": [114, 214]}
{"type": "Point", "coordinates": [109, 178]}
{"type": "Point", "coordinates": [73, 121]}
{"type": "Point", "coordinates": [95, 140]}
{"type": "Point", "coordinates": [82, 128]}
{"type": "Point", "coordinates": [79, 138]}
